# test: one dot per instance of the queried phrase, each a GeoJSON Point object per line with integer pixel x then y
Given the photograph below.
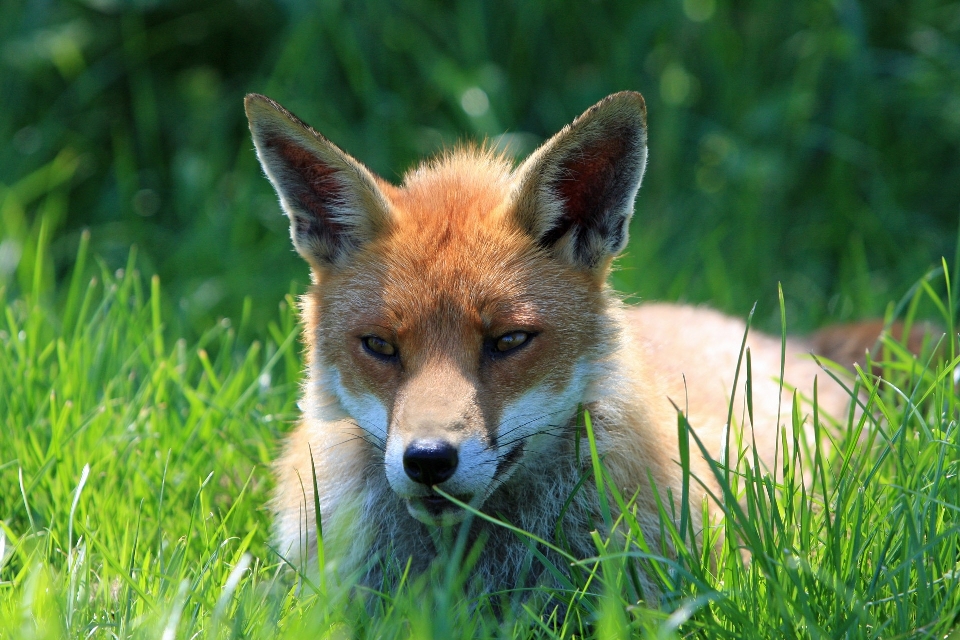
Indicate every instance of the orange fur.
{"type": "Point", "coordinates": [466, 253]}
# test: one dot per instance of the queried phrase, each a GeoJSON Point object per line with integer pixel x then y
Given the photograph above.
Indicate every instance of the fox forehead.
{"type": "Point", "coordinates": [453, 255]}
{"type": "Point", "coordinates": [479, 281]}
{"type": "Point", "coordinates": [466, 185]}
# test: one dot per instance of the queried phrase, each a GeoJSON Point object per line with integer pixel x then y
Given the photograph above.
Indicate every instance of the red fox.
{"type": "Point", "coordinates": [455, 325]}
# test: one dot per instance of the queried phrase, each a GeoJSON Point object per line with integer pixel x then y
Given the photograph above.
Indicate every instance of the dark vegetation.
{"type": "Point", "coordinates": [809, 143]}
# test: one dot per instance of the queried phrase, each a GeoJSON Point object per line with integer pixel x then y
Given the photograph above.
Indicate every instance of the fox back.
{"type": "Point", "coordinates": [456, 324]}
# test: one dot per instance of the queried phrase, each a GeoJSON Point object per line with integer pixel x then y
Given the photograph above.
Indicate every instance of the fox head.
{"type": "Point", "coordinates": [461, 317]}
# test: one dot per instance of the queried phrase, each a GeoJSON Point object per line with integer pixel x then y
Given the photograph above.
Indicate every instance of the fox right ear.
{"type": "Point", "coordinates": [333, 201]}
{"type": "Point", "coordinates": [575, 194]}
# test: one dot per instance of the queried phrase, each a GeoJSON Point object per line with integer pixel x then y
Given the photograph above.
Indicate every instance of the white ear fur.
{"type": "Point", "coordinates": [575, 194]}
{"type": "Point", "coordinates": [333, 201]}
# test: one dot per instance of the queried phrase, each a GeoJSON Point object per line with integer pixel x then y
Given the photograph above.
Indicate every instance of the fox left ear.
{"type": "Point", "coordinates": [575, 194]}
{"type": "Point", "coordinates": [334, 203]}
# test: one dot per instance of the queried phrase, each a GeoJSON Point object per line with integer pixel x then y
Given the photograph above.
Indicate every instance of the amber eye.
{"type": "Point", "coordinates": [511, 341]}
{"type": "Point", "coordinates": [379, 346]}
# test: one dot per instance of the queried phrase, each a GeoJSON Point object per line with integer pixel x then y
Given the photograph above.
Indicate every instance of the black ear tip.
{"type": "Point", "coordinates": [626, 103]}
{"type": "Point", "coordinates": [255, 102]}
{"type": "Point", "coordinates": [634, 97]}
{"type": "Point", "coordinates": [259, 106]}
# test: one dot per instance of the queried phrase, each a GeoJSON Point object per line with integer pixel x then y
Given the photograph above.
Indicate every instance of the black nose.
{"type": "Point", "coordinates": [430, 462]}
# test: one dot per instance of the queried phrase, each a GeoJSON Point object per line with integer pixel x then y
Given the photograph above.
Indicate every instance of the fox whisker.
{"type": "Point", "coordinates": [549, 430]}
{"type": "Point", "coordinates": [537, 417]}
{"type": "Point", "coordinates": [366, 434]}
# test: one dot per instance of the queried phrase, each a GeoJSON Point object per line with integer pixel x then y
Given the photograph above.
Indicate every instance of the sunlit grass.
{"type": "Point", "coordinates": [134, 473]}
{"type": "Point", "coordinates": [133, 468]}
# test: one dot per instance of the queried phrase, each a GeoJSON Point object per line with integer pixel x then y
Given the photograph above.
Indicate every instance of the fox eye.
{"type": "Point", "coordinates": [379, 347]}
{"type": "Point", "coordinates": [511, 341]}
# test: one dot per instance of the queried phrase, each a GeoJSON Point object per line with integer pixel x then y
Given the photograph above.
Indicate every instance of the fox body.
{"type": "Point", "coordinates": [455, 325]}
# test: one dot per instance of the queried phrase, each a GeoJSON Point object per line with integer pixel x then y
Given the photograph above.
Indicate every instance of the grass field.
{"type": "Point", "coordinates": [133, 493]}
{"type": "Point", "coordinates": [149, 359]}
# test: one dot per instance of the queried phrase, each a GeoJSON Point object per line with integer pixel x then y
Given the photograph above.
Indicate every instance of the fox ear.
{"type": "Point", "coordinates": [333, 201]}
{"type": "Point", "coordinates": [575, 194]}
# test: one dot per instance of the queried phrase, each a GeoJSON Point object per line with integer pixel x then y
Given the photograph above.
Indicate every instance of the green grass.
{"type": "Point", "coordinates": [135, 470]}
{"type": "Point", "coordinates": [810, 143]}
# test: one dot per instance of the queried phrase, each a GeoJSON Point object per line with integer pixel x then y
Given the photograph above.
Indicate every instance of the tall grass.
{"type": "Point", "coordinates": [128, 463]}
{"type": "Point", "coordinates": [134, 474]}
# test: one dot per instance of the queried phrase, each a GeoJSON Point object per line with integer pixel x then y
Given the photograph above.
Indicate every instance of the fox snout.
{"type": "Point", "coordinates": [461, 466]}
{"type": "Point", "coordinates": [438, 438]}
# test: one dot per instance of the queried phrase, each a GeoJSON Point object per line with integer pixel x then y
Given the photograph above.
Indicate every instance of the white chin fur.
{"type": "Point", "coordinates": [449, 517]}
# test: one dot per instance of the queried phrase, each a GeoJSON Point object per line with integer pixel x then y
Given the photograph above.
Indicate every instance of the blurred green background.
{"type": "Point", "coordinates": [812, 143]}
